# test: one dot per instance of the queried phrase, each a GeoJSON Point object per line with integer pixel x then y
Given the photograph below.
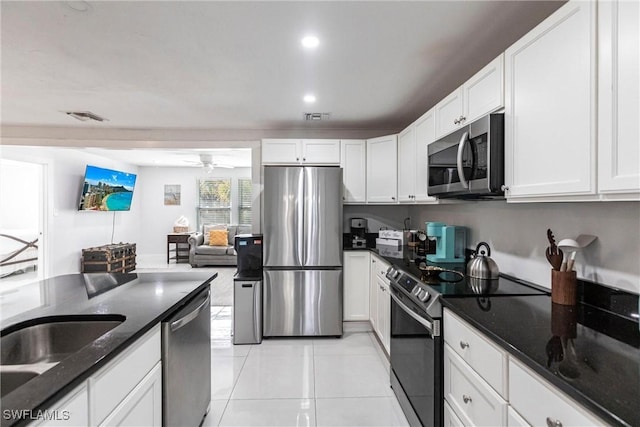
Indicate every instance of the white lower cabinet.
{"type": "Point", "coordinates": [380, 302]}
{"type": "Point", "coordinates": [450, 417]}
{"type": "Point", "coordinates": [126, 392]}
{"type": "Point", "coordinates": [356, 285]}
{"type": "Point", "coordinates": [485, 386]}
{"type": "Point", "coordinates": [540, 403]}
{"type": "Point", "coordinates": [113, 383]}
{"type": "Point", "coordinates": [472, 399]}
{"type": "Point", "coordinates": [72, 411]}
{"type": "Point", "coordinates": [143, 405]}
{"type": "Point", "coordinates": [514, 419]}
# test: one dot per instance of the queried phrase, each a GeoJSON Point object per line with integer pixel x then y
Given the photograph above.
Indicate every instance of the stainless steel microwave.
{"type": "Point", "coordinates": [469, 163]}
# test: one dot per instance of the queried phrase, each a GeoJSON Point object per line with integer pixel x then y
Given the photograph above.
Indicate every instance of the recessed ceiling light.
{"type": "Point", "coordinates": [309, 99]}
{"type": "Point", "coordinates": [310, 42]}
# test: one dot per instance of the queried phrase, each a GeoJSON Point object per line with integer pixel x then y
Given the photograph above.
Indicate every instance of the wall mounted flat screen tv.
{"type": "Point", "coordinates": [106, 190]}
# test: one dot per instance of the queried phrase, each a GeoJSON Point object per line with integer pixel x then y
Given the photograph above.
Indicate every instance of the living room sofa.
{"type": "Point", "coordinates": [201, 253]}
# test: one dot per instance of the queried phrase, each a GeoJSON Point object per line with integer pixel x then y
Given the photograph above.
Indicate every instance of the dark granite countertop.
{"type": "Point", "coordinates": [606, 379]}
{"type": "Point", "coordinates": [145, 300]}
{"type": "Point", "coordinates": [607, 345]}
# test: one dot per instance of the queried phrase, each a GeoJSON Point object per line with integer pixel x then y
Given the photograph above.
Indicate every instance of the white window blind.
{"type": "Point", "coordinates": [214, 201]}
{"type": "Point", "coordinates": [244, 201]}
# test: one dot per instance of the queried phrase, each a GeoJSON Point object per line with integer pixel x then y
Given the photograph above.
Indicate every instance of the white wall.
{"type": "Point", "coordinates": [158, 218]}
{"type": "Point", "coordinates": [67, 230]}
{"type": "Point", "coordinates": [19, 195]}
{"type": "Point", "coordinates": [517, 236]}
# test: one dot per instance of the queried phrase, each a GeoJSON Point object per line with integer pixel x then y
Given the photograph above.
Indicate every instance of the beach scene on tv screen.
{"type": "Point", "coordinates": [107, 190]}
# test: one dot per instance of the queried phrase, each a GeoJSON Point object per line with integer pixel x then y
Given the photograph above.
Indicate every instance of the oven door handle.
{"type": "Point", "coordinates": [422, 321]}
{"type": "Point", "coordinates": [461, 144]}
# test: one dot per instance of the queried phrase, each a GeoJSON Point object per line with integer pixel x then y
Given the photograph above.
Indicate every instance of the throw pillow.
{"type": "Point", "coordinates": [207, 228]}
{"type": "Point", "coordinates": [218, 237]}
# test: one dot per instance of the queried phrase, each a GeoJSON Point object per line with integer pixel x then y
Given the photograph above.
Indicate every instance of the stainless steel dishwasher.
{"type": "Point", "coordinates": [186, 363]}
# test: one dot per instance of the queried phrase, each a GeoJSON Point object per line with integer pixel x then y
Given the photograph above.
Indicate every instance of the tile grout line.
{"type": "Point", "coordinates": [315, 395]}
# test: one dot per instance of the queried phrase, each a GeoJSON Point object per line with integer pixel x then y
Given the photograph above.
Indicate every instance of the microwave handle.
{"type": "Point", "coordinates": [461, 144]}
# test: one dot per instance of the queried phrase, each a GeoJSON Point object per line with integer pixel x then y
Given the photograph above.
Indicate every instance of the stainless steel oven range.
{"type": "Point", "coordinates": [416, 349]}
{"type": "Point", "coordinates": [417, 372]}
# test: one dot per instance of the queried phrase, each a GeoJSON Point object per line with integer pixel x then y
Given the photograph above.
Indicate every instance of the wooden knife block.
{"type": "Point", "coordinates": [564, 287]}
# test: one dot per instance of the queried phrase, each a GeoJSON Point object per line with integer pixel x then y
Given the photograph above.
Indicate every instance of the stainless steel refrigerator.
{"type": "Point", "coordinates": [302, 227]}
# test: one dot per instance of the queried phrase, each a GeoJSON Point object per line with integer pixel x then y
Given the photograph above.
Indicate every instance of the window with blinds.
{"type": "Point", "coordinates": [214, 201]}
{"type": "Point", "coordinates": [244, 201]}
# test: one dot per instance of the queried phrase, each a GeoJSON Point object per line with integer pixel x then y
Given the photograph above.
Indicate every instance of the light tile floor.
{"type": "Point", "coordinates": [299, 382]}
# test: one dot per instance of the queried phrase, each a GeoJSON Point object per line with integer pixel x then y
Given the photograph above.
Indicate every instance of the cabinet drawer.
{"type": "Point", "coordinates": [381, 267]}
{"type": "Point", "coordinates": [540, 403]}
{"type": "Point", "coordinates": [514, 419]}
{"type": "Point", "coordinates": [450, 417]}
{"type": "Point", "coordinates": [114, 382]}
{"type": "Point", "coordinates": [469, 395]}
{"type": "Point", "coordinates": [482, 355]}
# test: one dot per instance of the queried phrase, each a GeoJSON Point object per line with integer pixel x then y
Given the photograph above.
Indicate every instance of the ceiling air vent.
{"type": "Point", "coordinates": [315, 117]}
{"type": "Point", "coordinates": [85, 115]}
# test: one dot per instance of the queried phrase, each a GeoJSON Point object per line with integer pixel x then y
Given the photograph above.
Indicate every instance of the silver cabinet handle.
{"type": "Point", "coordinates": [461, 144]}
{"type": "Point", "coordinates": [456, 121]}
{"type": "Point", "coordinates": [464, 345]}
{"type": "Point", "coordinates": [297, 159]}
{"type": "Point", "coordinates": [467, 399]}
{"type": "Point", "coordinates": [304, 159]}
{"type": "Point", "coordinates": [504, 188]}
{"type": "Point", "coordinates": [463, 119]}
{"type": "Point", "coordinates": [393, 198]}
{"type": "Point", "coordinates": [553, 423]}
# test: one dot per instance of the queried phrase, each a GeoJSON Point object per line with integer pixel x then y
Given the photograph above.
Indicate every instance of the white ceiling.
{"type": "Point", "coordinates": [220, 158]}
{"type": "Point", "coordinates": [240, 65]}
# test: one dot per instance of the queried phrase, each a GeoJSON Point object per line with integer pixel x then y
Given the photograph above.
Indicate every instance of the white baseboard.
{"type": "Point", "coordinates": [361, 326]}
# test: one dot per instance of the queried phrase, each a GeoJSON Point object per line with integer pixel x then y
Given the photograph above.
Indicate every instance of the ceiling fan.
{"type": "Point", "coordinates": [206, 161]}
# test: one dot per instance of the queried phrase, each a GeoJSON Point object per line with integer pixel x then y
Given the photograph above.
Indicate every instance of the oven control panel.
{"type": "Point", "coordinates": [414, 288]}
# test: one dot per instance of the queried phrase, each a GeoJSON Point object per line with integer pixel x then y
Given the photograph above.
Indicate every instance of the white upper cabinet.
{"type": "Point", "coordinates": [321, 151]}
{"type": "Point", "coordinates": [382, 169]}
{"type": "Point", "coordinates": [412, 159]}
{"type": "Point", "coordinates": [550, 121]}
{"type": "Point", "coordinates": [619, 97]}
{"type": "Point", "coordinates": [449, 111]}
{"type": "Point", "coordinates": [281, 151]}
{"type": "Point", "coordinates": [353, 159]}
{"type": "Point", "coordinates": [480, 95]}
{"type": "Point", "coordinates": [407, 164]}
{"type": "Point", "coordinates": [301, 151]}
{"type": "Point", "coordinates": [425, 135]}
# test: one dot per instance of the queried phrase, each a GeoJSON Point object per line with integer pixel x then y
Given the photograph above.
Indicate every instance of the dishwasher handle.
{"type": "Point", "coordinates": [175, 325]}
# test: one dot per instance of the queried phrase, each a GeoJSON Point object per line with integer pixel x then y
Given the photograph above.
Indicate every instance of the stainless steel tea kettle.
{"type": "Point", "coordinates": [482, 266]}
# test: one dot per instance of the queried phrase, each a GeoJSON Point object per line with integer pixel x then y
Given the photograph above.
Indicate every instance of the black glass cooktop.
{"type": "Point", "coordinates": [450, 284]}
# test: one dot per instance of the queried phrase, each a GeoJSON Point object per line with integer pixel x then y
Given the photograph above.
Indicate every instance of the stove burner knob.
{"type": "Point", "coordinates": [425, 297]}
{"type": "Point", "coordinates": [396, 275]}
{"type": "Point", "coordinates": [416, 290]}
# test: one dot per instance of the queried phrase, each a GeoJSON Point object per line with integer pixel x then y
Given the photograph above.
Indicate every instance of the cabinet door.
{"type": "Point", "coordinates": [373, 294]}
{"type": "Point", "coordinates": [550, 110]}
{"type": "Point", "coordinates": [356, 285]}
{"type": "Point", "coordinates": [540, 403]}
{"type": "Point", "coordinates": [386, 316]}
{"type": "Point", "coordinates": [425, 130]}
{"type": "Point", "coordinates": [484, 92]}
{"type": "Point", "coordinates": [72, 411]}
{"type": "Point", "coordinates": [382, 168]}
{"type": "Point", "coordinates": [406, 164]}
{"type": "Point", "coordinates": [514, 419]}
{"type": "Point", "coordinates": [448, 113]}
{"type": "Point", "coordinates": [281, 151]}
{"type": "Point", "coordinates": [450, 417]}
{"type": "Point", "coordinates": [321, 151]}
{"type": "Point", "coordinates": [382, 321]}
{"type": "Point", "coordinates": [143, 406]}
{"type": "Point", "coordinates": [353, 160]}
{"type": "Point", "coordinates": [619, 96]}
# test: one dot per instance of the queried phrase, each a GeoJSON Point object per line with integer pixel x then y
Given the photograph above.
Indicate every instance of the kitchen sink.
{"type": "Point", "coordinates": [10, 381]}
{"type": "Point", "coordinates": [51, 339]}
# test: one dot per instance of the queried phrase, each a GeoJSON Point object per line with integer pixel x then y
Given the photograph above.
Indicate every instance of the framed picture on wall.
{"type": "Point", "coordinates": [172, 195]}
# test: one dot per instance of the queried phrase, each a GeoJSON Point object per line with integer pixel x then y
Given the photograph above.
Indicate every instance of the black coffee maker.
{"type": "Point", "coordinates": [249, 253]}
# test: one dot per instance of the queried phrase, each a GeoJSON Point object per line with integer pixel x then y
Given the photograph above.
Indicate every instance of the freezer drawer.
{"type": "Point", "coordinates": [247, 311]}
{"type": "Point", "coordinates": [302, 303]}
